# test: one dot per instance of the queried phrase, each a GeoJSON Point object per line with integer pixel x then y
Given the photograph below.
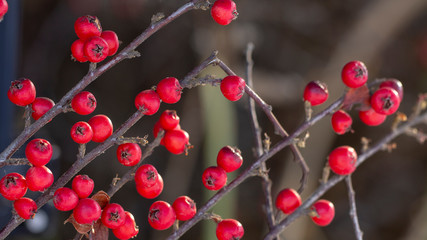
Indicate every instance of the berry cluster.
{"type": "Point", "coordinates": [175, 139]}
{"type": "Point", "coordinates": [93, 45]}
{"type": "Point", "coordinates": [162, 215]}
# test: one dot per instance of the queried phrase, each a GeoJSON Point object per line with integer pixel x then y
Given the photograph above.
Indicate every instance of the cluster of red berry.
{"type": "Point", "coordinates": [93, 45]}
{"type": "Point", "coordinates": [162, 215]}
{"type": "Point", "coordinates": [175, 140]}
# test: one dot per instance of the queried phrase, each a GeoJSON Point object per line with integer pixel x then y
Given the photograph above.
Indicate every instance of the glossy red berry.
{"type": "Point", "coordinates": [38, 152]}
{"type": "Point", "coordinates": [128, 229]}
{"type": "Point", "coordinates": [3, 8]}
{"type": "Point", "coordinates": [229, 158]}
{"type": "Point", "coordinates": [77, 52]}
{"type": "Point", "coordinates": [102, 127]}
{"type": "Point", "coordinates": [13, 186]}
{"type": "Point", "coordinates": [65, 199]}
{"type": "Point", "coordinates": [176, 141]}
{"type": "Point", "coordinates": [214, 178]}
{"type": "Point", "coordinates": [147, 101]}
{"type": "Point", "coordinates": [113, 215]}
{"type": "Point", "coordinates": [161, 215]}
{"type": "Point", "coordinates": [184, 207]}
{"type": "Point", "coordinates": [341, 122]}
{"type": "Point", "coordinates": [152, 191]}
{"type": "Point", "coordinates": [229, 229]}
{"type": "Point", "coordinates": [84, 103]}
{"type": "Point", "coordinates": [22, 92]}
{"type": "Point", "coordinates": [39, 178]}
{"type": "Point", "coordinates": [323, 212]}
{"type": "Point", "coordinates": [96, 49]}
{"type": "Point", "coordinates": [169, 120]}
{"type": "Point", "coordinates": [146, 175]}
{"type": "Point", "coordinates": [87, 26]}
{"type": "Point", "coordinates": [233, 87]}
{"type": "Point", "coordinates": [288, 200]}
{"type": "Point", "coordinates": [40, 106]}
{"type": "Point", "coordinates": [112, 40]}
{"type": "Point", "coordinates": [224, 11]}
{"type": "Point", "coordinates": [395, 84]}
{"type": "Point", "coordinates": [316, 93]}
{"type": "Point", "coordinates": [354, 74]}
{"type": "Point", "coordinates": [25, 207]}
{"type": "Point", "coordinates": [371, 118]}
{"type": "Point", "coordinates": [342, 160]}
{"type": "Point", "coordinates": [385, 101]}
{"type": "Point", "coordinates": [129, 154]}
{"type": "Point", "coordinates": [83, 185]}
{"type": "Point", "coordinates": [87, 211]}
{"type": "Point", "coordinates": [169, 90]}
{"type": "Point", "coordinates": [81, 132]}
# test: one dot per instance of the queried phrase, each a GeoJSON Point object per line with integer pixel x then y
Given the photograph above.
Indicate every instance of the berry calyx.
{"type": "Point", "coordinates": [84, 103]}
{"type": "Point", "coordinates": [342, 160]}
{"type": "Point", "coordinates": [288, 200]}
{"type": "Point", "coordinates": [87, 26]}
{"type": "Point", "coordinates": [102, 127]}
{"type": "Point", "coordinates": [96, 49]}
{"type": "Point", "coordinates": [128, 229]}
{"type": "Point", "coordinates": [169, 90]}
{"type": "Point", "coordinates": [233, 87]}
{"type": "Point", "coordinates": [229, 158]}
{"type": "Point", "coordinates": [341, 122]}
{"type": "Point", "coordinates": [371, 118]}
{"type": "Point", "coordinates": [83, 185]}
{"type": "Point", "coordinates": [152, 191]}
{"type": "Point", "coordinates": [3, 8]}
{"type": "Point", "coordinates": [13, 186]}
{"type": "Point", "coordinates": [129, 154]}
{"type": "Point", "coordinates": [81, 132]}
{"type": "Point", "coordinates": [385, 101]}
{"type": "Point", "coordinates": [316, 93]}
{"type": "Point", "coordinates": [22, 92]}
{"type": "Point", "coordinates": [323, 212]}
{"type": "Point", "coordinates": [40, 106]}
{"type": "Point", "coordinates": [113, 41]}
{"type": "Point", "coordinates": [77, 52]}
{"type": "Point", "coordinates": [38, 152]}
{"type": "Point", "coordinates": [184, 207]}
{"type": "Point", "coordinates": [354, 74]}
{"type": "Point", "coordinates": [224, 11]}
{"type": "Point", "coordinates": [169, 120]}
{"type": "Point", "coordinates": [87, 211]}
{"type": "Point", "coordinates": [229, 229]}
{"type": "Point", "coordinates": [113, 215]}
{"type": "Point", "coordinates": [176, 141]}
{"type": "Point", "coordinates": [65, 199]}
{"type": "Point", "coordinates": [214, 178]}
{"type": "Point", "coordinates": [147, 101]}
{"type": "Point", "coordinates": [395, 84]}
{"type": "Point", "coordinates": [161, 215]}
{"type": "Point", "coordinates": [25, 207]}
{"type": "Point", "coordinates": [39, 178]}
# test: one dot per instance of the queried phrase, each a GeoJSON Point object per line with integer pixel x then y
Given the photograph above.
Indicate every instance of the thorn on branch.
{"type": "Point", "coordinates": [301, 142]}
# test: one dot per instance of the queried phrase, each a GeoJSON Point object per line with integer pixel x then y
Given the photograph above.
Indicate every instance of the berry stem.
{"type": "Point", "coordinates": [353, 210]}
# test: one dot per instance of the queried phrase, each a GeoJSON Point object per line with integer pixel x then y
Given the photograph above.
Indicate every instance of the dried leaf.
{"type": "Point", "coordinates": [80, 228]}
{"type": "Point", "coordinates": [100, 231]}
{"type": "Point", "coordinates": [358, 95]}
{"type": "Point", "coordinates": [101, 198]}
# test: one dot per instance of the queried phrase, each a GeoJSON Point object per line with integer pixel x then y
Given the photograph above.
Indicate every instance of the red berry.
{"type": "Point", "coordinates": [146, 175]}
{"type": "Point", "coordinates": [25, 207]}
{"type": "Point", "coordinates": [77, 52]}
{"type": "Point", "coordinates": [161, 215]}
{"type": "Point", "coordinates": [83, 185]}
{"type": "Point", "coordinates": [229, 158]}
{"type": "Point", "coordinates": [184, 207]}
{"type": "Point", "coordinates": [176, 141]}
{"type": "Point", "coordinates": [38, 152]}
{"type": "Point", "coordinates": [129, 154]}
{"type": "Point", "coordinates": [113, 215]}
{"type": "Point", "coordinates": [112, 40]}
{"type": "Point", "coordinates": [3, 8]}
{"type": "Point", "coordinates": [147, 101]}
{"type": "Point", "coordinates": [22, 92]}
{"type": "Point", "coordinates": [96, 49]}
{"type": "Point", "coordinates": [169, 120]}
{"type": "Point", "coordinates": [342, 160]}
{"type": "Point", "coordinates": [224, 11]}
{"type": "Point", "coordinates": [395, 84]}
{"type": "Point", "coordinates": [152, 191]}
{"type": "Point", "coordinates": [229, 229]}
{"type": "Point", "coordinates": [65, 199]}
{"type": "Point", "coordinates": [169, 90]}
{"type": "Point", "coordinates": [214, 178]}
{"type": "Point", "coordinates": [83, 103]}
{"type": "Point", "coordinates": [233, 87]}
{"type": "Point", "coordinates": [323, 212]}
{"type": "Point", "coordinates": [102, 128]}
{"type": "Point", "coordinates": [87, 211]}
{"type": "Point", "coordinates": [81, 132]}
{"type": "Point", "coordinates": [371, 118]}
{"type": "Point", "coordinates": [341, 122]}
{"type": "Point", "coordinates": [40, 106]}
{"type": "Point", "coordinates": [87, 26]}
{"type": "Point", "coordinates": [288, 200]}
{"type": "Point", "coordinates": [354, 74]}
{"type": "Point", "coordinates": [39, 178]}
{"type": "Point", "coordinates": [316, 93]}
{"type": "Point", "coordinates": [128, 229]}
{"type": "Point", "coordinates": [385, 101]}
{"type": "Point", "coordinates": [13, 186]}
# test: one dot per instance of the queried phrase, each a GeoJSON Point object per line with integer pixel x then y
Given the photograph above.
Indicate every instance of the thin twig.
{"type": "Point", "coordinates": [353, 209]}
{"type": "Point", "coordinates": [14, 162]}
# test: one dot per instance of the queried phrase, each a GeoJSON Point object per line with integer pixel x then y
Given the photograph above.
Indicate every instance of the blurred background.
{"type": "Point", "coordinates": [296, 41]}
